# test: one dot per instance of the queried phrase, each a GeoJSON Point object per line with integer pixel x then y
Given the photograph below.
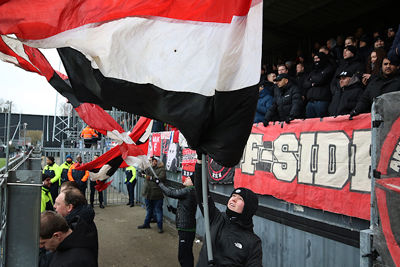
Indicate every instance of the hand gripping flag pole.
{"type": "Point", "coordinates": [205, 209]}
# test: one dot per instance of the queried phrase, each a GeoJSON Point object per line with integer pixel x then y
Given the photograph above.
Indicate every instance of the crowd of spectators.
{"type": "Point", "coordinates": [342, 77]}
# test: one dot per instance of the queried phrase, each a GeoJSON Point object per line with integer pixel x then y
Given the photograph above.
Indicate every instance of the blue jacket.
{"type": "Point", "coordinates": [394, 52]}
{"type": "Point", "coordinates": [265, 100]}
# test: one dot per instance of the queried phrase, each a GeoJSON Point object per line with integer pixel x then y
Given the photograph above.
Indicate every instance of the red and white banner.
{"type": "Point", "coordinates": [322, 164]}
{"type": "Point", "coordinates": [189, 158]}
{"type": "Point", "coordinates": [155, 144]}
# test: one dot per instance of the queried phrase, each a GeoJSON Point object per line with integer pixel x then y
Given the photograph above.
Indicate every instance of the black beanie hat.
{"type": "Point", "coordinates": [250, 202]}
{"type": "Point", "coordinates": [352, 49]}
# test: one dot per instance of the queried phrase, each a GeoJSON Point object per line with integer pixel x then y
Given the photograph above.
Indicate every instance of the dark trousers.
{"type": "Point", "coordinates": [131, 191]}
{"type": "Point", "coordinates": [185, 249]}
{"type": "Point", "coordinates": [54, 191]}
{"type": "Point", "coordinates": [317, 109]}
{"type": "Point", "coordinates": [154, 206]}
{"type": "Point", "coordinates": [82, 186]}
{"type": "Point", "coordinates": [92, 191]}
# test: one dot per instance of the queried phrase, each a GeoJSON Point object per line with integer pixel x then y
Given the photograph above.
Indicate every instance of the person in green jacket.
{"type": "Point", "coordinates": [53, 171]}
{"type": "Point", "coordinates": [65, 167]}
{"type": "Point", "coordinates": [130, 181]}
{"type": "Point", "coordinates": [153, 194]}
{"type": "Point", "coordinates": [47, 200]}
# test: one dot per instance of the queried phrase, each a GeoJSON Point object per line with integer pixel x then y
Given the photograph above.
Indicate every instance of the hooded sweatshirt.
{"type": "Point", "coordinates": [233, 241]}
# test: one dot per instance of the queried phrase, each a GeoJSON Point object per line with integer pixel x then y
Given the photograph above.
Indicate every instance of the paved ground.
{"type": "Point", "coordinates": [122, 244]}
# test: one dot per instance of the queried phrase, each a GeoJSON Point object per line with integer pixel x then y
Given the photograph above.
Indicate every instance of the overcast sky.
{"type": "Point", "coordinates": [30, 92]}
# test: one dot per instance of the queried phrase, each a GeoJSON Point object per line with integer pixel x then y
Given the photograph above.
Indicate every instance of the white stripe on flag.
{"type": "Point", "coordinates": [174, 55]}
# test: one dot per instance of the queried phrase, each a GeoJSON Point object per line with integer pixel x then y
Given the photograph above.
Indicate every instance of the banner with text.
{"type": "Point", "coordinates": [318, 163]}
{"type": "Point", "coordinates": [189, 158]}
{"type": "Point", "coordinates": [218, 174]}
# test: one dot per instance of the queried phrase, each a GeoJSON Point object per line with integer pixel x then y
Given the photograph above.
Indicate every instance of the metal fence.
{"type": "Point", "coordinates": [3, 217]}
{"type": "Point", "coordinates": [115, 194]}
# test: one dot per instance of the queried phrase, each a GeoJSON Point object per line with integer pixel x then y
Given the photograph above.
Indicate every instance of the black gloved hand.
{"type": "Point", "coordinates": [353, 113]}
{"type": "Point", "coordinates": [265, 123]}
{"type": "Point", "coordinates": [171, 209]}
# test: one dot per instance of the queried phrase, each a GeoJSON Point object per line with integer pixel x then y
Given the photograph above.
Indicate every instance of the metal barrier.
{"type": "Point", "coordinates": [115, 194]}
{"type": "Point", "coordinates": [19, 240]}
{"type": "Point", "coordinates": [59, 153]}
{"type": "Point", "coordinates": [3, 217]}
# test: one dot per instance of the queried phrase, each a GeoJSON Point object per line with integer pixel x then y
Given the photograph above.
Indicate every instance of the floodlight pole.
{"type": "Point", "coordinates": [8, 137]}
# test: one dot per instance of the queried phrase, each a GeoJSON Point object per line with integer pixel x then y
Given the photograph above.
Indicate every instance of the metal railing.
{"type": "Point", "coordinates": [115, 194]}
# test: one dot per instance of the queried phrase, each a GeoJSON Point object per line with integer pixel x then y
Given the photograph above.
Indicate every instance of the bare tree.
{"type": "Point", "coordinates": [4, 105]}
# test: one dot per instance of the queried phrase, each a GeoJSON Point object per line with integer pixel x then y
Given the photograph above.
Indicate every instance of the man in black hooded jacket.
{"type": "Point", "coordinates": [73, 246]}
{"type": "Point", "coordinates": [351, 62]}
{"type": "Point", "coordinates": [233, 241]}
{"type": "Point", "coordinates": [316, 87]}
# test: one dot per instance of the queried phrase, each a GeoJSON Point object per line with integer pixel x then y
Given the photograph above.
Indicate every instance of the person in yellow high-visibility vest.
{"type": "Point", "coordinates": [46, 201]}
{"type": "Point", "coordinates": [53, 171]}
{"type": "Point", "coordinates": [130, 181]}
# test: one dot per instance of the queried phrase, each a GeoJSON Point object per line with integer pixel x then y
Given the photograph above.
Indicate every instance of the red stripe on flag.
{"type": "Point", "coordinates": [97, 118]}
{"type": "Point", "coordinates": [38, 64]}
{"type": "Point", "coordinates": [46, 18]}
{"type": "Point", "coordinates": [116, 151]}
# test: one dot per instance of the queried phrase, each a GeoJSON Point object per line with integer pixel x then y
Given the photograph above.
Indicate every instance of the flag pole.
{"type": "Point", "coordinates": [205, 209]}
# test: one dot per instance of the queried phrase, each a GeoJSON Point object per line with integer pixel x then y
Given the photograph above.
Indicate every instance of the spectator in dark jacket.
{"type": "Point", "coordinates": [336, 48]}
{"type": "Point", "coordinates": [329, 55]}
{"type": "Point", "coordinates": [350, 63]}
{"type": "Point", "coordinates": [153, 194]}
{"type": "Point", "coordinates": [379, 42]}
{"type": "Point", "coordinates": [388, 81]}
{"type": "Point", "coordinates": [185, 218]}
{"type": "Point", "coordinates": [71, 204]}
{"type": "Point", "coordinates": [287, 101]}
{"type": "Point", "coordinates": [233, 241]}
{"type": "Point", "coordinates": [300, 76]}
{"type": "Point", "coordinates": [390, 35]}
{"type": "Point", "coordinates": [394, 51]}
{"type": "Point", "coordinates": [364, 50]}
{"type": "Point", "coordinates": [266, 97]}
{"type": "Point", "coordinates": [374, 64]}
{"type": "Point", "coordinates": [316, 86]}
{"type": "Point", "coordinates": [73, 247]}
{"type": "Point", "coordinates": [345, 97]}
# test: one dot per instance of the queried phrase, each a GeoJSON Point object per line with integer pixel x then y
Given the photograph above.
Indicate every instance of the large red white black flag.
{"type": "Point", "coordinates": [149, 57]}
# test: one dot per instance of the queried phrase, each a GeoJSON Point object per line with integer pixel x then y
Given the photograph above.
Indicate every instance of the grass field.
{"type": "Point", "coordinates": [2, 162]}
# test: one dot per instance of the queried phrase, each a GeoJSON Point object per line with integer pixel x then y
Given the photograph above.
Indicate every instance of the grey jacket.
{"type": "Point", "coordinates": [187, 205]}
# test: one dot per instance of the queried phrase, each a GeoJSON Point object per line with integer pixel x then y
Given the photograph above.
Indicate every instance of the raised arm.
{"type": "Point", "coordinates": [174, 192]}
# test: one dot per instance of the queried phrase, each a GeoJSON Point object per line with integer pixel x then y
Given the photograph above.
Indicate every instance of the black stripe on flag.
{"type": "Point", "coordinates": [218, 125]}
